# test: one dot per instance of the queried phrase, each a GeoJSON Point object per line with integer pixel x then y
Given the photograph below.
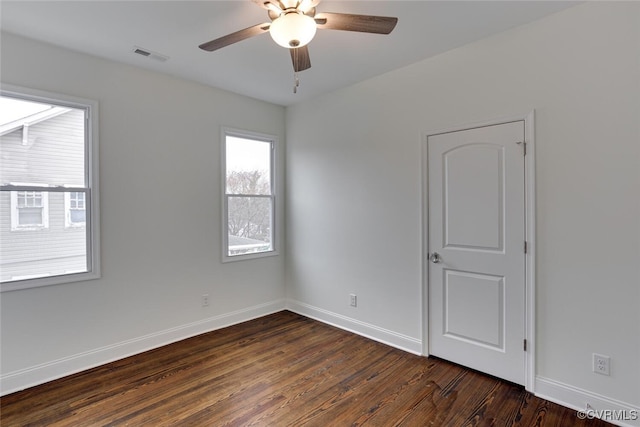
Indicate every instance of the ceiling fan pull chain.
{"type": "Point", "coordinates": [296, 82]}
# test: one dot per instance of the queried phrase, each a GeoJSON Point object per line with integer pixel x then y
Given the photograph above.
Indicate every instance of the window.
{"type": "Point", "coordinates": [249, 195]}
{"type": "Point", "coordinates": [75, 209]}
{"type": "Point", "coordinates": [29, 210]}
{"type": "Point", "coordinates": [48, 183]}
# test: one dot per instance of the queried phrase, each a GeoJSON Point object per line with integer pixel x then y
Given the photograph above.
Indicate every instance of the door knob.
{"type": "Point", "coordinates": [435, 258]}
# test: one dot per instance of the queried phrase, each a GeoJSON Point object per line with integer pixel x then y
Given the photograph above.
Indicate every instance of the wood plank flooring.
{"type": "Point", "coordinates": [281, 370]}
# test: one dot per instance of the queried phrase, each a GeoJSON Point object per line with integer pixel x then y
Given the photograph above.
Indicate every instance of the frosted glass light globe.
{"type": "Point", "coordinates": [293, 30]}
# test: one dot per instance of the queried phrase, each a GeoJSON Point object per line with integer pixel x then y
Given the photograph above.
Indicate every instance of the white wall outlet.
{"type": "Point", "coordinates": [205, 300]}
{"type": "Point", "coordinates": [601, 364]}
{"type": "Point", "coordinates": [353, 300]}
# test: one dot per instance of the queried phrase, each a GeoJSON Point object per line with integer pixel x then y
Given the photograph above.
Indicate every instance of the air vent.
{"type": "Point", "coordinates": [150, 54]}
{"type": "Point", "coordinates": [141, 52]}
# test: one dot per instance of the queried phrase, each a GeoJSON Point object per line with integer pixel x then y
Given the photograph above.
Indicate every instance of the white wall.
{"type": "Point", "coordinates": [354, 191]}
{"type": "Point", "coordinates": [161, 220]}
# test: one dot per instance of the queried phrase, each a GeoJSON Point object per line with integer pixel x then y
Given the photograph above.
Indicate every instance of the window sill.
{"type": "Point", "coordinates": [48, 281]}
{"type": "Point", "coordinates": [245, 257]}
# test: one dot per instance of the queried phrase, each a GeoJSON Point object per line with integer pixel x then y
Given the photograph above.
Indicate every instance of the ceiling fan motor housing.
{"type": "Point", "coordinates": [281, 5]}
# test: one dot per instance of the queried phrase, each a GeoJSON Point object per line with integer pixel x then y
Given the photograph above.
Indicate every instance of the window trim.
{"type": "Point", "coordinates": [92, 185]}
{"type": "Point", "coordinates": [275, 242]}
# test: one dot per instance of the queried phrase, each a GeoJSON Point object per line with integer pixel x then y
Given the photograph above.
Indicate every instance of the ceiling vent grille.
{"type": "Point", "coordinates": [141, 52]}
{"type": "Point", "coordinates": [150, 54]}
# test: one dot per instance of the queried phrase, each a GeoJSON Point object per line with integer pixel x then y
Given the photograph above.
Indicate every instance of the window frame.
{"type": "Point", "coordinates": [273, 141]}
{"type": "Point", "coordinates": [91, 188]}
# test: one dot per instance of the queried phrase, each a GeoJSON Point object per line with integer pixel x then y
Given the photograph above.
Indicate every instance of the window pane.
{"type": "Point", "coordinates": [76, 200]}
{"type": "Point", "coordinates": [248, 166]}
{"type": "Point", "coordinates": [43, 143]}
{"type": "Point", "coordinates": [30, 216]}
{"type": "Point", "coordinates": [249, 222]}
{"type": "Point", "coordinates": [78, 216]}
{"type": "Point", "coordinates": [32, 252]}
{"type": "Point", "coordinates": [29, 199]}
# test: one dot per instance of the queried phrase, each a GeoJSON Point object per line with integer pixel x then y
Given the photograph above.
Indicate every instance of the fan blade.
{"type": "Point", "coordinates": [360, 23]}
{"type": "Point", "coordinates": [235, 37]}
{"type": "Point", "coordinates": [300, 58]}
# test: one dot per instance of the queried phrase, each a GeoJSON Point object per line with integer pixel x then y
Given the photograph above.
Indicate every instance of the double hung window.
{"type": "Point", "coordinates": [75, 209]}
{"type": "Point", "coordinates": [48, 183]}
{"type": "Point", "coordinates": [29, 210]}
{"type": "Point", "coordinates": [249, 195]}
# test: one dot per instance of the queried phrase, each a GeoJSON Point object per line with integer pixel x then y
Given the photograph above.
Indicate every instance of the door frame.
{"type": "Point", "coordinates": [530, 234]}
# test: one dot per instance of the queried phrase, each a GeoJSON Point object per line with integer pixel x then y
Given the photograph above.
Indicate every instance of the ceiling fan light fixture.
{"type": "Point", "coordinates": [293, 29]}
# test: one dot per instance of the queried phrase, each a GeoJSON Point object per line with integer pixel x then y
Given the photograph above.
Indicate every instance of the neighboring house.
{"type": "Point", "coordinates": [42, 233]}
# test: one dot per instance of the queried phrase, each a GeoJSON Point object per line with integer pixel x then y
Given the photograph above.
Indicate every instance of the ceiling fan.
{"type": "Point", "coordinates": [293, 25]}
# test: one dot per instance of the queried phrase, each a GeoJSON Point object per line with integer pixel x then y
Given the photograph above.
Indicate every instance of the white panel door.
{"type": "Point", "coordinates": [476, 248]}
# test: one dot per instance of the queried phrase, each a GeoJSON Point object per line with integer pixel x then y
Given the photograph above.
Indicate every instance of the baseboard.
{"type": "Point", "coordinates": [385, 336]}
{"type": "Point", "coordinates": [40, 374]}
{"type": "Point", "coordinates": [610, 410]}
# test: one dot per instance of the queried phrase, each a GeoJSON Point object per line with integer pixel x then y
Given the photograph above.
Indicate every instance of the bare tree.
{"type": "Point", "coordinates": [249, 216]}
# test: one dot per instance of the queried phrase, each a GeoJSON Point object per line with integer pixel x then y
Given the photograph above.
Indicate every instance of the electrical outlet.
{"type": "Point", "coordinates": [601, 364]}
{"type": "Point", "coordinates": [353, 300]}
{"type": "Point", "coordinates": [205, 300]}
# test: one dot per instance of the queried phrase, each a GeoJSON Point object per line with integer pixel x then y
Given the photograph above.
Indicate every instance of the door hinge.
{"type": "Point", "coordinates": [525, 344]}
{"type": "Point", "coordinates": [524, 148]}
{"type": "Point", "coordinates": [525, 247]}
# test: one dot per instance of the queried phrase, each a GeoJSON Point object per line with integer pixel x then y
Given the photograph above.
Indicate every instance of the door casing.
{"type": "Point", "coordinates": [529, 170]}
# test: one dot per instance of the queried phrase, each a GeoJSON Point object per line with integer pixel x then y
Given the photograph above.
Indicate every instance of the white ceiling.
{"type": "Point", "coordinates": [257, 67]}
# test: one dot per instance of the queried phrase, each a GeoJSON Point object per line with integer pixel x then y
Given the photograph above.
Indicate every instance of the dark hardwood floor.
{"type": "Point", "coordinates": [281, 370]}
